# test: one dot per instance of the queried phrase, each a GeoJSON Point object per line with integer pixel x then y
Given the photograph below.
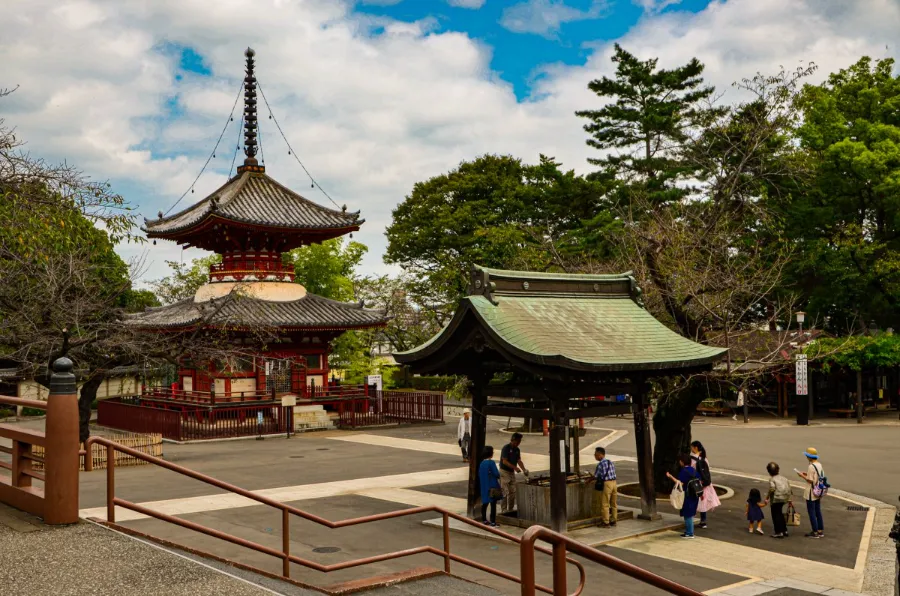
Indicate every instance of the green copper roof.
{"type": "Point", "coordinates": [593, 331]}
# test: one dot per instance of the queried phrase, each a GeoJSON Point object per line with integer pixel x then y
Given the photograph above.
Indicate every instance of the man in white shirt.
{"type": "Point", "coordinates": [464, 434]}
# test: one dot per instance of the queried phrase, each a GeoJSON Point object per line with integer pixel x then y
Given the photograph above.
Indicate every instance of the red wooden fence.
{"type": "Point", "coordinates": [393, 407]}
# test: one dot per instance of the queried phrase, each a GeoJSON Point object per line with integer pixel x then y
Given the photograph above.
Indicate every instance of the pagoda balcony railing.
{"type": "Point", "coordinates": [239, 269]}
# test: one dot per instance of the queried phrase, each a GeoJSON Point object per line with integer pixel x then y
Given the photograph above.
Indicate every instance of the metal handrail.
{"type": "Point", "coordinates": [287, 558]}
{"type": "Point", "coordinates": [561, 543]}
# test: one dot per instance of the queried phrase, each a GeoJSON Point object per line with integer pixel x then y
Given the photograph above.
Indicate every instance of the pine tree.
{"type": "Point", "coordinates": [648, 115]}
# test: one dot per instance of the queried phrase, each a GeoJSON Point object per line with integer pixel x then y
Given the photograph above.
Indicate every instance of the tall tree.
{"type": "Point", "coordinates": [649, 113]}
{"type": "Point", "coordinates": [712, 262]}
{"type": "Point", "coordinates": [494, 211]}
{"type": "Point", "coordinates": [848, 224]}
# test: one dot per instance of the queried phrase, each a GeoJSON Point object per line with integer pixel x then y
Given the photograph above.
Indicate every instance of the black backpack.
{"type": "Point", "coordinates": [703, 471]}
{"type": "Point", "coordinates": [694, 488]}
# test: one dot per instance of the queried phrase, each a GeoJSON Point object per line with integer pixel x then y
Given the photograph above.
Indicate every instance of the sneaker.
{"type": "Point", "coordinates": [750, 530]}
{"type": "Point", "coordinates": [485, 522]}
{"type": "Point", "coordinates": [777, 535]}
{"type": "Point", "coordinates": [759, 531]}
{"type": "Point", "coordinates": [812, 535]}
{"type": "Point", "coordinates": [703, 525]}
{"type": "Point", "coordinates": [687, 536]}
{"type": "Point", "coordinates": [612, 523]}
{"type": "Point", "coordinates": [494, 525]}
{"type": "Point", "coordinates": [821, 534]}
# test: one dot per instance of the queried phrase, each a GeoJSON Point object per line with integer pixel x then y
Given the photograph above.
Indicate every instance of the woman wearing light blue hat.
{"type": "Point", "coordinates": [813, 501]}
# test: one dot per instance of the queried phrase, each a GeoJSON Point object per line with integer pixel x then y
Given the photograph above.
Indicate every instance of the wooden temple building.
{"type": "Point", "coordinates": [251, 220]}
{"type": "Point", "coordinates": [559, 341]}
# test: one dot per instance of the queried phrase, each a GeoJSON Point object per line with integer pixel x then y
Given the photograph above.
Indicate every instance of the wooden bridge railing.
{"type": "Point", "coordinates": [57, 500]}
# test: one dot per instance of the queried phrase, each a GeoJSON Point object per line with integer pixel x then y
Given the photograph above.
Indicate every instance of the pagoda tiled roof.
{"type": "Point", "coordinates": [310, 312]}
{"type": "Point", "coordinates": [254, 198]}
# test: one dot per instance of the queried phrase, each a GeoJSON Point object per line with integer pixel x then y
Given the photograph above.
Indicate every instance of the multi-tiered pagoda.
{"type": "Point", "coordinates": [251, 221]}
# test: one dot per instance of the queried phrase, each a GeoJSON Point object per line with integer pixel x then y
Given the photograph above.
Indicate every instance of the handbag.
{"type": "Point", "coordinates": [495, 493]}
{"type": "Point", "coordinates": [677, 497]}
{"type": "Point", "coordinates": [793, 518]}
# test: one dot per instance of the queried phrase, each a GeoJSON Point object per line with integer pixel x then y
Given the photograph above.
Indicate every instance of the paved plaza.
{"type": "Point", "coordinates": [340, 475]}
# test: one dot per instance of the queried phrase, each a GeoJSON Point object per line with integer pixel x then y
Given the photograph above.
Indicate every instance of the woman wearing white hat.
{"type": "Point", "coordinates": [813, 502]}
{"type": "Point", "coordinates": [464, 434]}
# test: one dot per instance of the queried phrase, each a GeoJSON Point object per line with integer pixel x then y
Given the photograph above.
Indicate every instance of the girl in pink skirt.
{"type": "Point", "coordinates": [709, 500]}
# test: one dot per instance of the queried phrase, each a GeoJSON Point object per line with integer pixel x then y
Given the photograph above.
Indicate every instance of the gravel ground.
{"type": "Point", "coordinates": [86, 559]}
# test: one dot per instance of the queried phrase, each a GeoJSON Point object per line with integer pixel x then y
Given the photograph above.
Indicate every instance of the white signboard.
{"type": "Point", "coordinates": [259, 418]}
{"type": "Point", "coordinates": [374, 380]}
{"type": "Point", "coordinates": [288, 400]}
{"type": "Point", "coordinates": [801, 374]}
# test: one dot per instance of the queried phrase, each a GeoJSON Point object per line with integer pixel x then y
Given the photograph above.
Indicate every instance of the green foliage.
{"type": "Point", "coordinates": [328, 269]}
{"type": "Point", "coordinates": [848, 224]}
{"type": "Point", "coordinates": [857, 352]}
{"type": "Point", "coordinates": [494, 211]}
{"type": "Point", "coordinates": [185, 280]}
{"type": "Point", "coordinates": [647, 112]}
{"type": "Point", "coordinates": [433, 383]}
{"type": "Point", "coordinates": [33, 412]}
{"type": "Point", "coordinates": [138, 300]}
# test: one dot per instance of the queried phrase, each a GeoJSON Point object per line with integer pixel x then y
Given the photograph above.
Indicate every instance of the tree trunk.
{"type": "Point", "coordinates": [672, 427]}
{"type": "Point", "coordinates": [85, 399]}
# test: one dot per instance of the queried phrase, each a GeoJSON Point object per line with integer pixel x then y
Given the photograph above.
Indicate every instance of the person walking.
{"type": "Point", "coordinates": [754, 511]}
{"type": "Point", "coordinates": [709, 500]}
{"type": "Point", "coordinates": [813, 473]}
{"type": "Point", "coordinates": [605, 486]}
{"type": "Point", "coordinates": [510, 461]}
{"type": "Point", "coordinates": [779, 495]}
{"type": "Point", "coordinates": [464, 434]}
{"type": "Point", "coordinates": [489, 483]}
{"type": "Point", "coordinates": [690, 483]}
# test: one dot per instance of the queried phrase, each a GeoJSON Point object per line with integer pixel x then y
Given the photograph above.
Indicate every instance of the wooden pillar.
{"type": "Point", "coordinates": [476, 445]}
{"type": "Point", "coordinates": [61, 447]}
{"type": "Point", "coordinates": [558, 517]}
{"type": "Point", "coordinates": [644, 456]}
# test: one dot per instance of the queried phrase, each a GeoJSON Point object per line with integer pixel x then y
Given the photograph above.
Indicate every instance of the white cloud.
{"type": "Point", "coordinates": [655, 5]}
{"type": "Point", "coordinates": [473, 4]}
{"type": "Point", "coordinates": [371, 107]}
{"type": "Point", "coordinates": [545, 17]}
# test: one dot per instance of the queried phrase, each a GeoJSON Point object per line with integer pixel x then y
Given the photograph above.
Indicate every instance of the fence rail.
{"type": "Point", "coordinates": [392, 407]}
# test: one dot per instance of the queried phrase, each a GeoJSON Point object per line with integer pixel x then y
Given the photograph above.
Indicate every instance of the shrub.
{"type": "Point", "coordinates": [32, 412]}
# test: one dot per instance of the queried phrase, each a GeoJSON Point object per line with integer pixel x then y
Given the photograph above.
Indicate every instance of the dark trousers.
{"type": "Point", "coordinates": [702, 517]}
{"type": "Point", "coordinates": [778, 518]}
{"type": "Point", "coordinates": [484, 508]}
{"type": "Point", "coordinates": [814, 509]}
{"type": "Point", "coordinates": [464, 445]}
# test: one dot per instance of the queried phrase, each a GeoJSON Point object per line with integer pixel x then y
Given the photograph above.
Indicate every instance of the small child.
{"type": "Point", "coordinates": [754, 511]}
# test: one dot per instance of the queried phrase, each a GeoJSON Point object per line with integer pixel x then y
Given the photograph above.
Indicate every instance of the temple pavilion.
{"type": "Point", "coordinates": [559, 341]}
{"type": "Point", "coordinates": [250, 221]}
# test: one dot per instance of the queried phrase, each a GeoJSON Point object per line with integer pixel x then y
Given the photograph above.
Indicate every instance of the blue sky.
{"type": "Point", "coordinates": [526, 35]}
{"type": "Point", "coordinates": [374, 95]}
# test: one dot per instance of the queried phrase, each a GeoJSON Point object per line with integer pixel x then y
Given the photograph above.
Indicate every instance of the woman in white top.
{"type": "Point", "coordinates": [813, 504]}
{"type": "Point", "coordinates": [464, 434]}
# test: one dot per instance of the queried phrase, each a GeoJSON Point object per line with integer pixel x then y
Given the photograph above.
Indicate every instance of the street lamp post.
{"type": "Point", "coordinates": [801, 317]}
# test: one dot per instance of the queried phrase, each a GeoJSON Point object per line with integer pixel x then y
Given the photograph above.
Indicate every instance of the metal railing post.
{"type": "Point", "coordinates": [61, 450]}
{"type": "Point", "coordinates": [559, 568]}
{"type": "Point", "coordinates": [446, 543]}
{"type": "Point", "coordinates": [286, 543]}
{"type": "Point", "coordinates": [110, 484]}
{"type": "Point", "coordinates": [526, 564]}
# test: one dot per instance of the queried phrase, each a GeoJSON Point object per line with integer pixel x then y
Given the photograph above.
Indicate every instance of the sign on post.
{"type": "Point", "coordinates": [802, 376]}
{"type": "Point", "coordinates": [289, 400]}
{"type": "Point", "coordinates": [376, 381]}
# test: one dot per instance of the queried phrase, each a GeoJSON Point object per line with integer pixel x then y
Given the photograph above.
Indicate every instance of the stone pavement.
{"type": "Point", "coordinates": [339, 475]}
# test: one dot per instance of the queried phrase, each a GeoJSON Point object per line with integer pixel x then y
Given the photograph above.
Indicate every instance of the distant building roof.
{"type": "Point", "coordinates": [764, 346]}
{"type": "Point", "coordinates": [310, 312]}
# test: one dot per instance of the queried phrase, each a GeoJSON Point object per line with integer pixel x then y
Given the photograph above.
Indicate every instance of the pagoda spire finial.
{"type": "Point", "coordinates": [250, 122]}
